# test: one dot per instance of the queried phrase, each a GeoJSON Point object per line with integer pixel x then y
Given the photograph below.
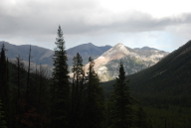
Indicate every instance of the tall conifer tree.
{"type": "Point", "coordinates": [60, 84]}
{"type": "Point", "coordinates": [121, 102]}
{"type": "Point", "coordinates": [77, 92]}
{"type": "Point", "coordinates": [94, 110]}
{"type": "Point", "coordinates": [3, 74]}
{"type": "Point", "coordinates": [4, 81]}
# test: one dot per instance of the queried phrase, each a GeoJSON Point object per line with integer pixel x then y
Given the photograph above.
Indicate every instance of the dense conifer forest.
{"type": "Point", "coordinates": [31, 99]}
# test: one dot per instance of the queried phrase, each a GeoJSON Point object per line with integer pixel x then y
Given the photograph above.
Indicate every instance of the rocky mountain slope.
{"type": "Point", "coordinates": [134, 60]}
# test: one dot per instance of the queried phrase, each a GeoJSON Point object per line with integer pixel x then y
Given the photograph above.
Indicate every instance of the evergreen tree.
{"type": "Point", "coordinates": [61, 84]}
{"type": "Point", "coordinates": [77, 92]}
{"type": "Point", "coordinates": [3, 123]}
{"type": "Point", "coordinates": [121, 102]}
{"type": "Point", "coordinates": [94, 110]}
{"type": "Point", "coordinates": [4, 81]}
{"type": "Point", "coordinates": [3, 74]}
{"type": "Point", "coordinates": [78, 77]}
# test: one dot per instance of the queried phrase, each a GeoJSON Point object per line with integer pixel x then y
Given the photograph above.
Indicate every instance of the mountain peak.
{"type": "Point", "coordinates": [118, 50]}
{"type": "Point", "coordinates": [90, 44]}
{"type": "Point", "coordinates": [121, 49]}
{"type": "Point", "coordinates": [119, 45]}
{"type": "Point", "coordinates": [146, 48]}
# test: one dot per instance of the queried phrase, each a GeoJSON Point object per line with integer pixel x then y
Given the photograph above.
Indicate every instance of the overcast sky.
{"type": "Point", "coordinates": [162, 24]}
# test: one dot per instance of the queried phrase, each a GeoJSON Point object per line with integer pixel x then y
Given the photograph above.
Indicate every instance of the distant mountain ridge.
{"type": "Point", "coordinates": [86, 50]}
{"type": "Point", "coordinates": [44, 56]}
{"type": "Point", "coordinates": [39, 55]}
{"type": "Point", "coordinates": [106, 57]}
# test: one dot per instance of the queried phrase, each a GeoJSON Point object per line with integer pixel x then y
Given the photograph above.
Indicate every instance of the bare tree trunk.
{"type": "Point", "coordinates": [28, 73]}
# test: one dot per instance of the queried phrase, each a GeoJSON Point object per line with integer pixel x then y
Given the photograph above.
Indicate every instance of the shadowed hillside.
{"type": "Point", "coordinates": [168, 81]}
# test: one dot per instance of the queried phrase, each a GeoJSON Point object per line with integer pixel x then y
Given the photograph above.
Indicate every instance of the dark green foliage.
{"type": "Point", "coordinates": [18, 98]}
{"type": "Point", "coordinates": [77, 93]}
{"type": "Point", "coordinates": [60, 84]}
{"type": "Point", "coordinates": [33, 111]}
{"type": "Point", "coordinates": [141, 120]}
{"type": "Point", "coordinates": [94, 100]}
{"type": "Point", "coordinates": [3, 122]}
{"type": "Point", "coordinates": [121, 113]}
{"type": "Point", "coordinates": [172, 117]}
{"type": "Point", "coordinates": [3, 76]}
{"type": "Point", "coordinates": [16, 110]}
{"type": "Point", "coordinates": [165, 89]}
{"type": "Point", "coordinates": [164, 85]}
{"type": "Point", "coordinates": [4, 87]}
{"type": "Point", "coordinates": [87, 101]}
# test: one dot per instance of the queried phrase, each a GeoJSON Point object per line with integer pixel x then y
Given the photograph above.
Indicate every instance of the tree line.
{"type": "Point", "coordinates": [33, 100]}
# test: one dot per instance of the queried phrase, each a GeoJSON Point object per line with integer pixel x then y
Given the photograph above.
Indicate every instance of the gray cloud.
{"type": "Point", "coordinates": [39, 20]}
